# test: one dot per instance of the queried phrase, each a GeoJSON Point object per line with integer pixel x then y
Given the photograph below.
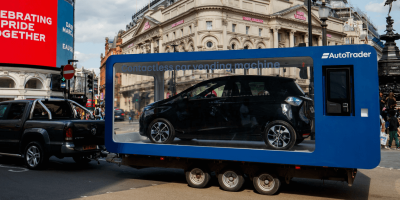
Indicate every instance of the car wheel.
{"type": "Point", "coordinates": [267, 184]}
{"type": "Point", "coordinates": [81, 159]}
{"type": "Point", "coordinates": [161, 131]}
{"type": "Point", "coordinates": [231, 180]}
{"type": "Point", "coordinates": [279, 135]}
{"type": "Point", "coordinates": [35, 157]}
{"type": "Point", "coordinates": [197, 177]}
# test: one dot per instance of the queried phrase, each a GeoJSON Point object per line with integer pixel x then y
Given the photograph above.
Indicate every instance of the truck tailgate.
{"type": "Point", "coordinates": [88, 132]}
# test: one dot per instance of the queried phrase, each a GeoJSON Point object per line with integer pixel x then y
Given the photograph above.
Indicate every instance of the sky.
{"type": "Point", "coordinates": [97, 19]}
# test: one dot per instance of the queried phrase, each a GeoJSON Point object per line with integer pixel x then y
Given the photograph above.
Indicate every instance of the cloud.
{"type": "Point", "coordinates": [97, 19]}
{"type": "Point", "coordinates": [381, 8]}
{"type": "Point", "coordinates": [83, 57]}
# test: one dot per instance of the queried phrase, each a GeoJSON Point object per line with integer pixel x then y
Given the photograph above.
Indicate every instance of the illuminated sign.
{"type": "Point", "coordinates": [178, 23]}
{"type": "Point", "coordinates": [253, 19]}
{"type": "Point", "coordinates": [37, 33]}
{"type": "Point", "coordinates": [300, 15]}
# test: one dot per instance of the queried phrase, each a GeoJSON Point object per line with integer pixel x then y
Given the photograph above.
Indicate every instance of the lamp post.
{"type": "Point", "coordinates": [324, 14]}
{"type": "Point", "coordinates": [174, 74]}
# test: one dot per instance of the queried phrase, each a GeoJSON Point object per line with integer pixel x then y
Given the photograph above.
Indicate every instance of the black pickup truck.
{"type": "Point", "coordinates": [38, 129]}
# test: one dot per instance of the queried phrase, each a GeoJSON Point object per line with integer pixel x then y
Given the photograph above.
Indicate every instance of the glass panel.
{"type": "Point", "coordinates": [16, 111]}
{"type": "Point", "coordinates": [338, 85]}
{"type": "Point", "coordinates": [213, 103]}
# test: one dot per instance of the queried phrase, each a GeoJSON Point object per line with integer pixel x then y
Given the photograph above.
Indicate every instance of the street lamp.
{"type": "Point", "coordinates": [323, 14]}
{"type": "Point", "coordinates": [174, 75]}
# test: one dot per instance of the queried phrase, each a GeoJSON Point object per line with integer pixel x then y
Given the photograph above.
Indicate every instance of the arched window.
{"type": "Point", "coordinates": [246, 47]}
{"type": "Point", "coordinates": [6, 82]}
{"type": "Point", "coordinates": [209, 44]}
{"type": "Point", "coordinates": [233, 46]}
{"type": "Point", "coordinates": [34, 84]}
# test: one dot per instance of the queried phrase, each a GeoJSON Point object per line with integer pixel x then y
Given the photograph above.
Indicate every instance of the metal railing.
{"type": "Point", "coordinates": [40, 101]}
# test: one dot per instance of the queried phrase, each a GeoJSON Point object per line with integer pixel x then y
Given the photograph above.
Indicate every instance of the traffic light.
{"type": "Point", "coordinates": [170, 85]}
{"type": "Point", "coordinates": [90, 82]}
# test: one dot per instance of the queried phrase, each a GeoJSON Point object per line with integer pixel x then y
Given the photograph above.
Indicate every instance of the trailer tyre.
{"type": "Point", "coordinates": [161, 131]}
{"type": "Point", "coordinates": [231, 180]}
{"type": "Point", "coordinates": [267, 184]}
{"type": "Point", "coordinates": [279, 135]}
{"type": "Point", "coordinates": [197, 177]}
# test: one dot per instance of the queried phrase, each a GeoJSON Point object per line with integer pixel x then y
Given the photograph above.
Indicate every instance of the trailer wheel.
{"type": "Point", "coordinates": [197, 177]}
{"type": "Point", "coordinates": [161, 131]}
{"type": "Point", "coordinates": [231, 180]}
{"type": "Point", "coordinates": [267, 184]}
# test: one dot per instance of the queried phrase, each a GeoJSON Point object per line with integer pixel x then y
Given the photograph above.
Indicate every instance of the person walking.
{"type": "Point", "coordinates": [381, 102]}
{"type": "Point", "coordinates": [393, 126]}
{"type": "Point", "coordinates": [383, 131]}
{"type": "Point", "coordinates": [391, 101]}
{"type": "Point", "coordinates": [97, 113]}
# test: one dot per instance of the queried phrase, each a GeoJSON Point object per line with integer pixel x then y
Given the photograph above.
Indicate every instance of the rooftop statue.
{"type": "Point", "coordinates": [389, 2]}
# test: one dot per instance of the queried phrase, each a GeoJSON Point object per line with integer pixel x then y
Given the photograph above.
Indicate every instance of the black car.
{"type": "Point", "coordinates": [272, 109]}
{"type": "Point", "coordinates": [119, 114]}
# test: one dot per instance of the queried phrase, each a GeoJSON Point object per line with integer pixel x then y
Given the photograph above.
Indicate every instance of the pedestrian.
{"type": "Point", "coordinates": [391, 101]}
{"type": "Point", "coordinates": [383, 132]}
{"type": "Point", "coordinates": [393, 127]}
{"type": "Point", "coordinates": [97, 113]}
{"type": "Point", "coordinates": [381, 101]}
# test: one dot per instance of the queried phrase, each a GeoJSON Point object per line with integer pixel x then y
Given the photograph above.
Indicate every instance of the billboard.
{"type": "Point", "coordinates": [37, 33]}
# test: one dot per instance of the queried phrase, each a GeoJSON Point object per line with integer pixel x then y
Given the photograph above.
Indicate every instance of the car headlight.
{"type": "Point", "coordinates": [287, 111]}
{"type": "Point", "coordinates": [294, 101]}
{"type": "Point", "coordinates": [148, 112]}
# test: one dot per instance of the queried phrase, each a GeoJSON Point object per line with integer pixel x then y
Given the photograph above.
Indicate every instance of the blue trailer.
{"type": "Point", "coordinates": [340, 84]}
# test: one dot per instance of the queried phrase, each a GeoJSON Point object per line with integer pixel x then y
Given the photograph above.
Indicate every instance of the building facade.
{"type": "Point", "coordinates": [27, 83]}
{"type": "Point", "coordinates": [112, 47]}
{"type": "Point", "coordinates": [209, 25]}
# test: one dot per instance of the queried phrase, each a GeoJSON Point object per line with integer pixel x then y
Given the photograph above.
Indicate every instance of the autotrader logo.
{"type": "Point", "coordinates": [346, 55]}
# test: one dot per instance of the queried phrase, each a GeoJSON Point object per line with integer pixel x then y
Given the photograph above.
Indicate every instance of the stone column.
{"type": "Point", "coordinates": [306, 39]}
{"type": "Point", "coordinates": [196, 36]}
{"type": "Point", "coordinates": [160, 46]}
{"type": "Point", "coordinates": [291, 39]}
{"type": "Point", "coordinates": [224, 35]}
{"type": "Point", "coordinates": [276, 42]}
{"type": "Point", "coordinates": [319, 40]}
{"type": "Point", "coordinates": [151, 46]}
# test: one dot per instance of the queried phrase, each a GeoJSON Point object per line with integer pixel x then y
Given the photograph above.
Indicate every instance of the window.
{"type": "Point", "coordinates": [209, 44]}
{"type": "Point", "coordinates": [295, 40]}
{"type": "Point", "coordinates": [58, 109]}
{"type": "Point", "coordinates": [258, 89]}
{"type": "Point", "coordinates": [190, 29]}
{"type": "Point", "coordinates": [6, 83]}
{"type": "Point", "coordinates": [158, 42]}
{"type": "Point", "coordinates": [260, 32]}
{"type": "Point", "coordinates": [233, 46]}
{"type": "Point", "coordinates": [166, 37]}
{"type": "Point", "coordinates": [34, 84]}
{"type": "Point", "coordinates": [209, 90]}
{"type": "Point", "coordinates": [182, 32]}
{"type": "Point", "coordinates": [246, 47]}
{"type": "Point", "coordinates": [3, 109]}
{"type": "Point", "coordinates": [247, 29]}
{"type": "Point", "coordinates": [16, 111]}
{"type": "Point", "coordinates": [233, 27]}
{"type": "Point", "coordinates": [174, 36]}
{"type": "Point", "coordinates": [279, 37]}
{"type": "Point", "coordinates": [209, 25]}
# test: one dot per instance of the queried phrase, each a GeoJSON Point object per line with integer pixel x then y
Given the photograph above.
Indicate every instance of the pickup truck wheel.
{"type": "Point", "coordinates": [35, 157]}
{"type": "Point", "coordinates": [161, 131]}
{"type": "Point", "coordinates": [267, 184]}
{"type": "Point", "coordinates": [81, 159]}
{"type": "Point", "coordinates": [197, 177]}
{"type": "Point", "coordinates": [231, 180]}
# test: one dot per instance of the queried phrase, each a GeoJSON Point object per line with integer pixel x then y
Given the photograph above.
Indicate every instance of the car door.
{"type": "Point", "coordinates": [3, 126]}
{"type": "Point", "coordinates": [12, 126]}
{"type": "Point", "coordinates": [208, 111]}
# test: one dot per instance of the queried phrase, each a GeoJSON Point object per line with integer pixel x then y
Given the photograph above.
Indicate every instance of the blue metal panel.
{"type": "Point", "coordinates": [345, 142]}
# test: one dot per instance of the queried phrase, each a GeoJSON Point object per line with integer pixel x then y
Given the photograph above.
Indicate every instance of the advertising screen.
{"type": "Point", "coordinates": [37, 33]}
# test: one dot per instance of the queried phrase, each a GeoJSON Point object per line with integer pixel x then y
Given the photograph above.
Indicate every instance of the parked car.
{"type": "Point", "coordinates": [38, 129]}
{"type": "Point", "coordinates": [250, 108]}
{"type": "Point", "coordinates": [119, 115]}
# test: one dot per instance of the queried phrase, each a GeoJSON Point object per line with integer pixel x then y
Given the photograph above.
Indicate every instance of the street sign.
{"type": "Point", "coordinates": [69, 72]}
